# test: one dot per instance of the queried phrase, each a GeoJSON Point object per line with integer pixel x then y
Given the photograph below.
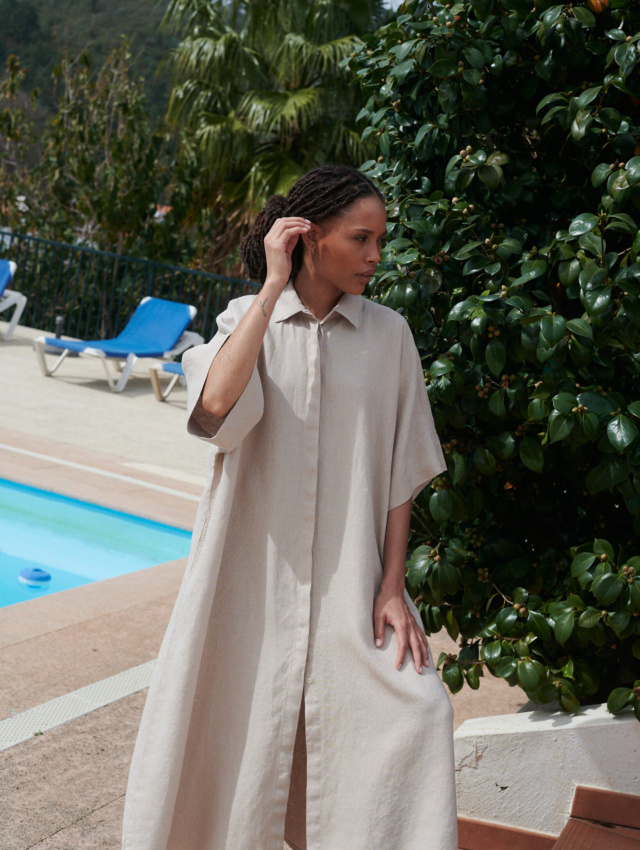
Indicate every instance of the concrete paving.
{"type": "Point", "coordinates": [64, 790]}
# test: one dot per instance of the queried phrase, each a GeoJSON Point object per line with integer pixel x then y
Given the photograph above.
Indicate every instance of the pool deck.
{"type": "Point", "coordinates": [64, 790]}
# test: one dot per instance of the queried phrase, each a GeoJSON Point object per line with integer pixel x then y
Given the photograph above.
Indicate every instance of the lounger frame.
{"type": "Point", "coordinates": [154, 375]}
{"type": "Point", "coordinates": [17, 300]}
{"type": "Point", "coordinates": [123, 367]}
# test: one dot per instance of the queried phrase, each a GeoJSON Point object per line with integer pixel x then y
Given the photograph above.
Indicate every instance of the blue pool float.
{"type": "Point", "coordinates": [34, 577]}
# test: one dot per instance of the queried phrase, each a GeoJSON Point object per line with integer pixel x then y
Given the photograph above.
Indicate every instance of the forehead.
{"type": "Point", "coordinates": [365, 214]}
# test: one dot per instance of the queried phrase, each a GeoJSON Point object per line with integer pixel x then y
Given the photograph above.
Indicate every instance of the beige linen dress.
{"type": "Point", "coordinates": [275, 610]}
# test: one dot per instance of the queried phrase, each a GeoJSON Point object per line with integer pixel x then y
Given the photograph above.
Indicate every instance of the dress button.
{"type": "Point", "coordinates": [309, 680]}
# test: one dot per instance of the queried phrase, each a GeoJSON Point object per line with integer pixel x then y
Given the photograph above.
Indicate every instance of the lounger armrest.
{"type": "Point", "coordinates": [187, 340]}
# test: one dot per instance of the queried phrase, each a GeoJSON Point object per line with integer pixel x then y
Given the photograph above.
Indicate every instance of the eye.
{"type": "Point", "coordinates": [361, 238]}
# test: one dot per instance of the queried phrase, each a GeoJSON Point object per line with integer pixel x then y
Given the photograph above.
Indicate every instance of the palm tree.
{"type": "Point", "coordinates": [258, 86]}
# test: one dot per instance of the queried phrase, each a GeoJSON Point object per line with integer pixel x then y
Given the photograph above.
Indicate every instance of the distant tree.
{"type": "Point", "coordinates": [259, 88]}
{"type": "Point", "coordinates": [97, 150]}
{"type": "Point", "coordinates": [100, 173]}
{"type": "Point", "coordinates": [17, 136]}
{"type": "Point", "coordinates": [98, 169]}
{"type": "Point", "coordinates": [20, 24]}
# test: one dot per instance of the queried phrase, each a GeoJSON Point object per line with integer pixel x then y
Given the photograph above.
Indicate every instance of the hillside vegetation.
{"type": "Point", "coordinates": [39, 30]}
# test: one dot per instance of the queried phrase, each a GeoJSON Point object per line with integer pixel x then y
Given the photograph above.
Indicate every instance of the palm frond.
{"type": "Point", "coordinates": [190, 101]}
{"type": "Point", "coordinates": [286, 112]}
{"type": "Point", "coordinates": [298, 59]}
{"type": "Point", "coordinates": [224, 144]}
{"type": "Point", "coordinates": [187, 15]}
{"type": "Point", "coordinates": [208, 59]}
{"type": "Point", "coordinates": [261, 95]}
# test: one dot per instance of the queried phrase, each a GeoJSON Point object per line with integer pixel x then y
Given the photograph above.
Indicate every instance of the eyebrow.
{"type": "Point", "coordinates": [366, 230]}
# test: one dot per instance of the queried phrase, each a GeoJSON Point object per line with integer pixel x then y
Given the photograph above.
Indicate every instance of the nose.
{"type": "Point", "coordinates": [374, 253]}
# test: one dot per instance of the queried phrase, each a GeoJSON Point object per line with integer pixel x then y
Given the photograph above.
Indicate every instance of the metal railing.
{"type": "Point", "coordinates": [95, 292]}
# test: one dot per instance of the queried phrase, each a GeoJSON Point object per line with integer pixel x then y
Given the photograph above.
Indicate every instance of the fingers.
{"type": "Point", "coordinates": [408, 634]}
{"type": "Point", "coordinates": [395, 613]}
{"type": "Point", "coordinates": [417, 648]}
{"type": "Point", "coordinates": [403, 644]}
{"type": "Point", "coordinates": [378, 628]}
{"type": "Point", "coordinates": [279, 244]}
{"type": "Point", "coordinates": [425, 647]}
{"type": "Point", "coordinates": [288, 226]}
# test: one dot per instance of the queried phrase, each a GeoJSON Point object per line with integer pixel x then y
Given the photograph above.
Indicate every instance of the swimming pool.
{"type": "Point", "coordinates": [76, 542]}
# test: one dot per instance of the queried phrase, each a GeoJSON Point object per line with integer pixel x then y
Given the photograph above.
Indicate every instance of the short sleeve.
{"type": "Point", "coordinates": [417, 454]}
{"type": "Point", "coordinates": [226, 433]}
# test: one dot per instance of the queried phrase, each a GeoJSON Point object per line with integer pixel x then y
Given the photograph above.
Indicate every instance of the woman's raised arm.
{"type": "Point", "coordinates": [231, 369]}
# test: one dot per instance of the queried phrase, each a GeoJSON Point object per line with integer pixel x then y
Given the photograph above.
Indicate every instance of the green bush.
{"type": "Point", "coordinates": [509, 149]}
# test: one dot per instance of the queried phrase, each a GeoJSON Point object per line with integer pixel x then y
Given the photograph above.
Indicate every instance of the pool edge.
{"type": "Point", "coordinates": [37, 617]}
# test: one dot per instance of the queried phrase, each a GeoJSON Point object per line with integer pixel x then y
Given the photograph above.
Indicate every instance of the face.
{"type": "Point", "coordinates": [342, 252]}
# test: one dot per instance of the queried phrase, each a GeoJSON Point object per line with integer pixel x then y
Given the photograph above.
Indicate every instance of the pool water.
{"type": "Point", "coordinates": [76, 542]}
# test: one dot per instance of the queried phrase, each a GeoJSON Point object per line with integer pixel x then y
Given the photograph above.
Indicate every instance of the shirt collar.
{"type": "Point", "coordinates": [289, 304]}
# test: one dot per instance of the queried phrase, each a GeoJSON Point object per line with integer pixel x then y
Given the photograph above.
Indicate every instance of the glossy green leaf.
{"type": "Point", "coordinates": [531, 454]}
{"type": "Point", "coordinates": [600, 173]}
{"type": "Point", "coordinates": [621, 432]}
{"type": "Point", "coordinates": [633, 170]}
{"type": "Point", "coordinates": [570, 703]}
{"type": "Point", "coordinates": [619, 621]}
{"type": "Point", "coordinates": [560, 425]}
{"type": "Point", "coordinates": [491, 175]}
{"type": "Point", "coordinates": [539, 625]}
{"type": "Point", "coordinates": [496, 356]}
{"type": "Point", "coordinates": [552, 329]}
{"type": "Point", "coordinates": [588, 96]}
{"type": "Point", "coordinates": [563, 627]}
{"type": "Point", "coordinates": [609, 472]}
{"type": "Point", "coordinates": [459, 468]}
{"type": "Point", "coordinates": [582, 14]}
{"type": "Point", "coordinates": [497, 158]}
{"type": "Point", "coordinates": [484, 461]}
{"type": "Point", "coordinates": [589, 618]}
{"type": "Point", "coordinates": [506, 618]}
{"type": "Point", "coordinates": [441, 506]}
{"type": "Point", "coordinates": [580, 327]}
{"type": "Point", "coordinates": [606, 588]}
{"type": "Point", "coordinates": [583, 223]}
{"type": "Point", "coordinates": [472, 676]}
{"type": "Point", "coordinates": [634, 408]}
{"type": "Point", "coordinates": [603, 547]}
{"type": "Point", "coordinates": [582, 562]}
{"type": "Point", "coordinates": [452, 677]}
{"type": "Point", "coordinates": [497, 404]}
{"type": "Point", "coordinates": [528, 674]}
{"type": "Point", "coordinates": [618, 699]}
{"type": "Point", "coordinates": [564, 403]}
{"type": "Point", "coordinates": [506, 667]}
{"type": "Point", "coordinates": [491, 652]}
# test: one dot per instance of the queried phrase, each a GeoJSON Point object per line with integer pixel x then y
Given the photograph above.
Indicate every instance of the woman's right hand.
{"type": "Point", "coordinates": [279, 244]}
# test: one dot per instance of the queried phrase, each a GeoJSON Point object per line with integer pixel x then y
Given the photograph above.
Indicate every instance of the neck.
{"type": "Point", "coordinates": [317, 295]}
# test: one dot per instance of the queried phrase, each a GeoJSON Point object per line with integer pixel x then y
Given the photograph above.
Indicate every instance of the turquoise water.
{"type": "Point", "coordinates": [76, 542]}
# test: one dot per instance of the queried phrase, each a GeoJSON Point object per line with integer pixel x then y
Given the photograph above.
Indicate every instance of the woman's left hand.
{"type": "Point", "coordinates": [390, 608]}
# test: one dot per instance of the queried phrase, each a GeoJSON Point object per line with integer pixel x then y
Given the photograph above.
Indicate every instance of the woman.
{"type": "Point", "coordinates": [294, 685]}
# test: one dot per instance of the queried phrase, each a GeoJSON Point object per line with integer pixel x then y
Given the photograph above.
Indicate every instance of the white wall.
{"type": "Point", "coordinates": [522, 769]}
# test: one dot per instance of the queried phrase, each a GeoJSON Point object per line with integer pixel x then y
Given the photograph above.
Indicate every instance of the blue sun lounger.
{"type": "Point", "coordinates": [174, 369]}
{"type": "Point", "coordinates": [157, 329]}
{"type": "Point", "coordinates": [9, 298]}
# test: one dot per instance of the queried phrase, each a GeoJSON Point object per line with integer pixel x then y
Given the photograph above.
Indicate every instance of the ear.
{"type": "Point", "coordinates": [310, 238]}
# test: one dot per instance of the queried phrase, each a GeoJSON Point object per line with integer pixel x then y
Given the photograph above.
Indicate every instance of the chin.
{"type": "Point", "coordinates": [359, 286]}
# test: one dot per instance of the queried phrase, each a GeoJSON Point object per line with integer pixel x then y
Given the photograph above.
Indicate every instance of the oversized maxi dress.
{"type": "Point", "coordinates": [332, 431]}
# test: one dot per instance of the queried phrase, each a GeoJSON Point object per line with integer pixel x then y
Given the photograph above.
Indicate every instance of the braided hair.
{"type": "Point", "coordinates": [321, 193]}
